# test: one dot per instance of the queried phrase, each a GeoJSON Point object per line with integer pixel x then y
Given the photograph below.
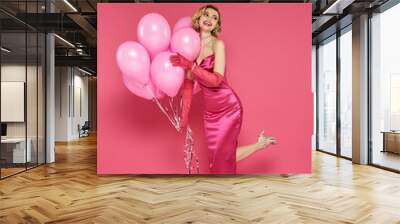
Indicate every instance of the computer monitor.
{"type": "Point", "coordinates": [3, 129]}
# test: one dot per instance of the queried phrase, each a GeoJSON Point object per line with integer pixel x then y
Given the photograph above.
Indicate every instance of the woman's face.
{"type": "Point", "coordinates": [208, 21]}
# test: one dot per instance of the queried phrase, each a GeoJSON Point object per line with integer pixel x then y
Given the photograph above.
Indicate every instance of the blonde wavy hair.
{"type": "Point", "coordinates": [200, 12]}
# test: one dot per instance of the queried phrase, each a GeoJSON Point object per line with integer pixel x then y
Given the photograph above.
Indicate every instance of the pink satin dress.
{"type": "Point", "coordinates": [222, 122]}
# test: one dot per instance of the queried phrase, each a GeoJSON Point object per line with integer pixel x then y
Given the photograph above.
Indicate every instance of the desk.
{"type": "Point", "coordinates": [391, 141]}
{"type": "Point", "coordinates": [15, 148]}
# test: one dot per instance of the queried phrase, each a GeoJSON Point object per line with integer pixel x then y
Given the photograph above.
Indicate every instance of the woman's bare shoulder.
{"type": "Point", "coordinates": [219, 45]}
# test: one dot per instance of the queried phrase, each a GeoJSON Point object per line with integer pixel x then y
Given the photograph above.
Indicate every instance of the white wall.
{"type": "Point", "coordinates": [34, 126]}
{"type": "Point", "coordinates": [71, 93]}
{"type": "Point", "coordinates": [13, 101]}
{"type": "Point", "coordinates": [17, 73]}
{"type": "Point", "coordinates": [81, 103]}
{"type": "Point", "coordinates": [12, 73]}
{"type": "Point", "coordinates": [61, 103]}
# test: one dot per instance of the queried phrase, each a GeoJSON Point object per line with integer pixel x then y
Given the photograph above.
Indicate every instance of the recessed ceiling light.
{"type": "Point", "coordinates": [64, 40]}
{"type": "Point", "coordinates": [5, 50]}
{"type": "Point", "coordinates": [84, 71]}
{"type": "Point", "coordinates": [70, 5]}
{"type": "Point", "coordinates": [338, 6]}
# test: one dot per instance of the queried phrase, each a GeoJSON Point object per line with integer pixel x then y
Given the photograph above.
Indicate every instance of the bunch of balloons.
{"type": "Point", "coordinates": [145, 65]}
{"type": "Point", "coordinates": [148, 73]}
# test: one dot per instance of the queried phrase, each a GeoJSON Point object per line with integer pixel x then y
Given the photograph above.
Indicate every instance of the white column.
{"type": "Point", "coordinates": [50, 100]}
{"type": "Point", "coordinates": [50, 92]}
{"type": "Point", "coordinates": [360, 90]}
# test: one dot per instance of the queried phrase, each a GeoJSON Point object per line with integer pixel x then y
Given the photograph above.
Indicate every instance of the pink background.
{"type": "Point", "coordinates": [268, 49]}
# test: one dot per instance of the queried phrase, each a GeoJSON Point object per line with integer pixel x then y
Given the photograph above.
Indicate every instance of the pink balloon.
{"type": "Point", "coordinates": [184, 22]}
{"type": "Point", "coordinates": [165, 76]}
{"type": "Point", "coordinates": [154, 33]}
{"type": "Point", "coordinates": [147, 91]}
{"type": "Point", "coordinates": [186, 42]}
{"type": "Point", "coordinates": [133, 61]}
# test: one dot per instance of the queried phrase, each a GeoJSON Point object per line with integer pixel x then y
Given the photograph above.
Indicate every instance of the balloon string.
{"type": "Point", "coordinates": [174, 111]}
{"type": "Point", "coordinates": [180, 106]}
{"type": "Point", "coordinates": [176, 126]}
{"type": "Point", "coordinates": [189, 142]}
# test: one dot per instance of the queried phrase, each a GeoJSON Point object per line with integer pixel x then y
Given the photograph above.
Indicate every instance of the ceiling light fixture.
{"type": "Point", "coordinates": [65, 41]}
{"type": "Point", "coordinates": [70, 5]}
{"type": "Point", "coordinates": [5, 50]}
{"type": "Point", "coordinates": [338, 6]}
{"type": "Point", "coordinates": [84, 71]}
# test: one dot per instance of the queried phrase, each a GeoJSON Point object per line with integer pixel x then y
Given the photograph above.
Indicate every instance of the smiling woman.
{"type": "Point", "coordinates": [223, 110]}
{"type": "Point", "coordinates": [252, 53]}
{"type": "Point", "coordinates": [207, 11]}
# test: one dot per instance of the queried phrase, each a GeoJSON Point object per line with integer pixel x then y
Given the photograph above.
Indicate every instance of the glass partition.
{"type": "Point", "coordinates": [14, 153]}
{"type": "Point", "coordinates": [22, 101]}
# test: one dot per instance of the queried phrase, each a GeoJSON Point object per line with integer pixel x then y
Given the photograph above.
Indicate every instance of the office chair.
{"type": "Point", "coordinates": [84, 130]}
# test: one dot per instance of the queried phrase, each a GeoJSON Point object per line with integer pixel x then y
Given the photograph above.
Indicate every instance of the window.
{"type": "Point", "coordinates": [385, 89]}
{"type": "Point", "coordinates": [327, 95]}
{"type": "Point", "coordinates": [346, 93]}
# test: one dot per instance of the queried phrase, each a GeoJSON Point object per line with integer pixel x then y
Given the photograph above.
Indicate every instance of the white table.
{"type": "Point", "coordinates": [18, 144]}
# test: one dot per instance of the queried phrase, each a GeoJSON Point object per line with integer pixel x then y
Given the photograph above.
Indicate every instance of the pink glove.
{"type": "Point", "coordinates": [179, 60]}
{"type": "Point", "coordinates": [187, 93]}
{"type": "Point", "coordinates": [211, 79]}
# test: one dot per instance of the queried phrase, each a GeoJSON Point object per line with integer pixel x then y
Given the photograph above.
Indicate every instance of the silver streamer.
{"type": "Point", "coordinates": [190, 154]}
